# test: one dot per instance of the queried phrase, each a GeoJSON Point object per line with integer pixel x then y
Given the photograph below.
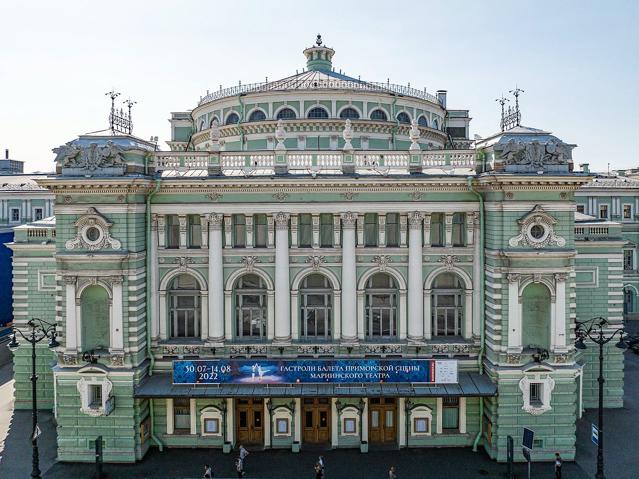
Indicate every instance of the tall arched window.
{"type": "Point", "coordinates": [250, 307]}
{"type": "Point", "coordinates": [447, 305]}
{"type": "Point", "coordinates": [316, 307]}
{"type": "Point", "coordinates": [94, 304]}
{"type": "Point", "coordinates": [403, 117]}
{"type": "Point", "coordinates": [286, 114]}
{"type": "Point", "coordinates": [257, 115]}
{"type": "Point", "coordinates": [422, 121]}
{"type": "Point", "coordinates": [317, 112]}
{"type": "Point", "coordinates": [535, 301]}
{"type": "Point", "coordinates": [185, 307]}
{"type": "Point", "coordinates": [379, 115]}
{"type": "Point", "coordinates": [349, 113]}
{"type": "Point", "coordinates": [381, 306]}
{"type": "Point", "coordinates": [232, 119]}
{"type": "Point", "coordinates": [436, 124]}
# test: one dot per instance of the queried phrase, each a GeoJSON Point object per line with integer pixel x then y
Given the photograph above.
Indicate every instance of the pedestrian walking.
{"type": "Point", "coordinates": [320, 461]}
{"type": "Point", "coordinates": [208, 472]}
{"type": "Point", "coordinates": [392, 474]}
{"type": "Point", "coordinates": [558, 463]}
{"type": "Point", "coordinates": [239, 467]}
{"type": "Point", "coordinates": [243, 454]}
{"type": "Point", "coordinates": [318, 471]}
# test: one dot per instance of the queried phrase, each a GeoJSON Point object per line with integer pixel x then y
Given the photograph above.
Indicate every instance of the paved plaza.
{"type": "Point", "coordinates": [621, 461]}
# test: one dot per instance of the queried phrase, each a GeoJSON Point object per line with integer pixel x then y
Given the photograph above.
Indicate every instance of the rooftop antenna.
{"type": "Point", "coordinates": [113, 94]}
{"type": "Point", "coordinates": [502, 101]}
{"type": "Point", "coordinates": [516, 92]}
{"type": "Point", "coordinates": [129, 103]}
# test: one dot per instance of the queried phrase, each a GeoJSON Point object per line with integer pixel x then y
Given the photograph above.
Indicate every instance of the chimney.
{"type": "Point", "coordinates": [6, 153]}
{"type": "Point", "coordinates": [584, 167]}
{"type": "Point", "coordinates": [441, 98]}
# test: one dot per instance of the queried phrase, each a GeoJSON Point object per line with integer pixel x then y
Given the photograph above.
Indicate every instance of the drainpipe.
{"type": "Point", "coordinates": [153, 436]}
{"type": "Point", "coordinates": [482, 336]}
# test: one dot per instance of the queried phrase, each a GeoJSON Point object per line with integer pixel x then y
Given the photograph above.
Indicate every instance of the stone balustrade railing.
{"type": "Point", "coordinates": [389, 162]}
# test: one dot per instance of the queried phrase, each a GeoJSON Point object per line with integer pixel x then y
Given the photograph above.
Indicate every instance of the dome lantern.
{"type": "Point", "coordinates": [318, 57]}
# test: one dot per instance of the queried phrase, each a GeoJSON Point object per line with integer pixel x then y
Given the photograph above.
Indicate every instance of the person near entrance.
{"type": "Point", "coordinates": [392, 474]}
{"type": "Point", "coordinates": [208, 472]}
{"type": "Point", "coordinates": [319, 473]}
{"type": "Point", "coordinates": [239, 467]}
{"type": "Point", "coordinates": [321, 463]}
{"type": "Point", "coordinates": [243, 454]}
{"type": "Point", "coordinates": [558, 463]}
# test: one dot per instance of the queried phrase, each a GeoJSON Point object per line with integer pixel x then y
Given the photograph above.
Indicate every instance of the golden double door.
{"type": "Point", "coordinates": [316, 420]}
{"type": "Point", "coordinates": [249, 420]}
{"type": "Point", "coordinates": [382, 420]}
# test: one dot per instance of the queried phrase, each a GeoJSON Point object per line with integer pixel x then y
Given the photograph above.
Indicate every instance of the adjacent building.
{"type": "Point", "coordinates": [318, 260]}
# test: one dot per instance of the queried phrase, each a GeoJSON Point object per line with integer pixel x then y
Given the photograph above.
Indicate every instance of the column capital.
{"type": "Point", "coordinates": [215, 220]}
{"type": "Point", "coordinates": [154, 221]}
{"type": "Point", "coordinates": [116, 280]}
{"type": "Point", "coordinates": [70, 280]}
{"type": "Point", "coordinates": [512, 277]}
{"type": "Point", "coordinates": [281, 220]}
{"type": "Point", "coordinates": [415, 219]}
{"type": "Point", "coordinates": [349, 219]}
{"type": "Point", "coordinates": [560, 277]}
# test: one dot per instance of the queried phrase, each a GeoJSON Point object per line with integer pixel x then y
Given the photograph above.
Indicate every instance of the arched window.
{"type": "Point", "coordinates": [316, 307]}
{"type": "Point", "coordinates": [94, 304]}
{"type": "Point", "coordinates": [381, 307]}
{"type": "Point", "coordinates": [435, 124]}
{"type": "Point", "coordinates": [403, 117]}
{"type": "Point", "coordinates": [447, 305]}
{"type": "Point", "coordinates": [317, 112]}
{"type": "Point", "coordinates": [250, 307]}
{"type": "Point", "coordinates": [379, 115]}
{"type": "Point", "coordinates": [257, 115]}
{"type": "Point", "coordinates": [232, 119]}
{"type": "Point", "coordinates": [535, 301]}
{"type": "Point", "coordinates": [422, 121]}
{"type": "Point", "coordinates": [201, 125]}
{"type": "Point", "coordinates": [185, 306]}
{"type": "Point", "coordinates": [214, 119]}
{"type": "Point", "coordinates": [286, 114]}
{"type": "Point", "coordinates": [349, 113]}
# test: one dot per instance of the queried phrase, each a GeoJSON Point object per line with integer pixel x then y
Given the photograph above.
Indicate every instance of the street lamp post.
{"type": "Point", "coordinates": [40, 329]}
{"type": "Point", "coordinates": [594, 329]}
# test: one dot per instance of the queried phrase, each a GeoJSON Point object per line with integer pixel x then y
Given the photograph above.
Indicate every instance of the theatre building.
{"type": "Point", "coordinates": [317, 261]}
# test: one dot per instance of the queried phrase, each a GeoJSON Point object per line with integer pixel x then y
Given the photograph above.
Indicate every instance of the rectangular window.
{"type": "Point", "coordinates": [580, 209]}
{"type": "Point", "coordinates": [38, 214]}
{"type": "Point", "coordinates": [260, 231]}
{"type": "Point", "coordinates": [459, 229]}
{"type": "Point", "coordinates": [15, 215]}
{"type": "Point", "coordinates": [420, 425]}
{"type": "Point", "coordinates": [281, 426]}
{"type": "Point", "coordinates": [628, 260]}
{"type": "Point", "coordinates": [371, 228]}
{"type": "Point", "coordinates": [627, 212]}
{"type": "Point", "coordinates": [326, 230]}
{"type": "Point", "coordinates": [450, 420]}
{"type": "Point", "coordinates": [535, 394]}
{"type": "Point", "coordinates": [172, 231]}
{"type": "Point", "coordinates": [182, 414]}
{"type": "Point", "coordinates": [350, 425]}
{"type": "Point", "coordinates": [239, 231]}
{"type": "Point", "coordinates": [305, 231]}
{"type": "Point", "coordinates": [392, 229]}
{"type": "Point", "coordinates": [95, 396]}
{"type": "Point", "coordinates": [212, 426]}
{"type": "Point", "coordinates": [194, 230]}
{"type": "Point", "coordinates": [603, 212]}
{"type": "Point", "coordinates": [437, 229]}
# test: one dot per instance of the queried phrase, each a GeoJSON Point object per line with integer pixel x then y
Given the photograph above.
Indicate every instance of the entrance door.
{"type": "Point", "coordinates": [249, 418]}
{"type": "Point", "coordinates": [316, 420]}
{"type": "Point", "coordinates": [382, 420]}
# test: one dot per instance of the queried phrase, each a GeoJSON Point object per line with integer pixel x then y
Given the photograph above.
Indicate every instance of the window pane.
{"type": "Point", "coordinates": [259, 231]}
{"type": "Point", "coordinates": [437, 229]}
{"type": "Point", "coordinates": [326, 230]}
{"type": "Point", "coordinates": [239, 231]}
{"type": "Point", "coordinates": [305, 230]}
{"type": "Point", "coordinates": [375, 418]}
{"type": "Point", "coordinates": [389, 418]}
{"type": "Point", "coordinates": [392, 229]}
{"type": "Point", "coordinates": [451, 418]}
{"type": "Point", "coordinates": [370, 229]}
{"type": "Point", "coordinates": [459, 229]}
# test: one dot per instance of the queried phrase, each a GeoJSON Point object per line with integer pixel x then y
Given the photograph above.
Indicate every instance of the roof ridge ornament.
{"type": "Point", "coordinates": [510, 117]}
{"type": "Point", "coordinates": [318, 41]}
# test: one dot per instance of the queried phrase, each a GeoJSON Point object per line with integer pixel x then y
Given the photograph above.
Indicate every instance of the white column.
{"type": "Point", "coordinates": [163, 316]}
{"type": "Point", "coordinates": [282, 283]}
{"type": "Point", "coordinates": [297, 433]}
{"type": "Point", "coordinates": [169, 416]}
{"type": "Point", "coordinates": [428, 328]}
{"type": "Point", "coordinates": [462, 415]}
{"type": "Point", "coordinates": [440, 415]}
{"type": "Point", "coordinates": [117, 333]}
{"type": "Point", "coordinates": [468, 314]}
{"type": "Point", "coordinates": [334, 423]}
{"type": "Point", "coordinates": [295, 323]}
{"type": "Point", "coordinates": [228, 315]}
{"type": "Point", "coordinates": [514, 320]}
{"type": "Point", "coordinates": [337, 314]}
{"type": "Point", "coordinates": [364, 421]}
{"type": "Point", "coordinates": [70, 331]}
{"type": "Point", "coordinates": [153, 252]}
{"type": "Point", "coordinates": [560, 312]}
{"type": "Point", "coordinates": [193, 416]}
{"type": "Point", "coordinates": [415, 279]}
{"type": "Point", "coordinates": [229, 420]}
{"type": "Point", "coordinates": [349, 278]}
{"type": "Point", "coordinates": [401, 422]}
{"type": "Point", "coordinates": [216, 279]}
{"type": "Point", "coordinates": [204, 320]}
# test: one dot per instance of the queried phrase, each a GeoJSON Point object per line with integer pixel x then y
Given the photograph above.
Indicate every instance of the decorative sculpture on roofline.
{"type": "Point", "coordinates": [90, 157]}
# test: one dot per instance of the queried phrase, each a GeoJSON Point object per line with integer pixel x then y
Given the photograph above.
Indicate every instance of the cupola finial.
{"type": "Point", "coordinates": [318, 42]}
{"type": "Point", "coordinates": [319, 56]}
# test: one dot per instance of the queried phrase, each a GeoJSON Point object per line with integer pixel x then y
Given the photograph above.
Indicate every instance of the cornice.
{"type": "Point", "coordinates": [507, 182]}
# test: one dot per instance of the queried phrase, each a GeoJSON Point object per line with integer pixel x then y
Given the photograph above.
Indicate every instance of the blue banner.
{"type": "Point", "coordinates": [314, 371]}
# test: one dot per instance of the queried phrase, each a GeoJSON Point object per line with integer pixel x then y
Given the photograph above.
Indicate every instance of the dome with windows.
{"type": "Point", "coordinates": [313, 105]}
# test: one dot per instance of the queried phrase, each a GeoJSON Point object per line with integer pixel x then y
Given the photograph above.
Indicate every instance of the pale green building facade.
{"type": "Point", "coordinates": [315, 217]}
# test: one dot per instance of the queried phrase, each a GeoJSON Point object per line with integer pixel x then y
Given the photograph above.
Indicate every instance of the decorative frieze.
{"type": "Point", "coordinates": [281, 196]}
{"type": "Point", "coordinates": [316, 261]}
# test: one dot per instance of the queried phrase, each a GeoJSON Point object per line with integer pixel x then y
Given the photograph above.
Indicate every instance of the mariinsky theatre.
{"type": "Point", "coordinates": [319, 262]}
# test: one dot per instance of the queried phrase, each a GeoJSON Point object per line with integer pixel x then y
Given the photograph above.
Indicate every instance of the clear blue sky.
{"type": "Point", "coordinates": [578, 61]}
